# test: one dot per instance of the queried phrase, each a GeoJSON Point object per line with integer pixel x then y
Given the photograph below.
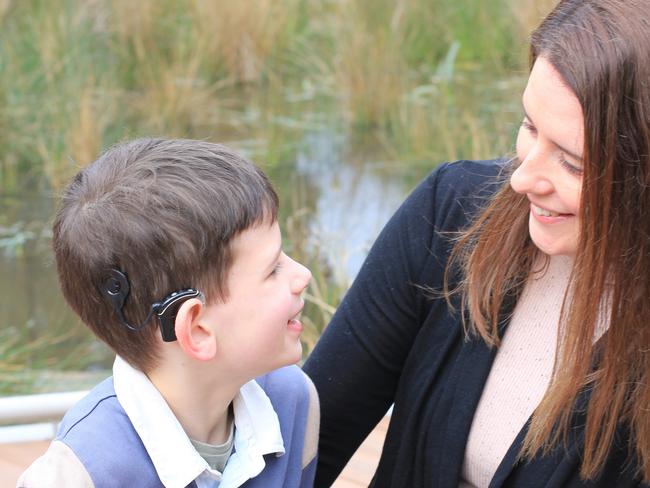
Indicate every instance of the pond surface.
{"type": "Point", "coordinates": [336, 189]}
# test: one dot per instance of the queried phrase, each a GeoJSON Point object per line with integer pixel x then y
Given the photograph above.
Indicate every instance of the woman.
{"type": "Point", "coordinates": [505, 308]}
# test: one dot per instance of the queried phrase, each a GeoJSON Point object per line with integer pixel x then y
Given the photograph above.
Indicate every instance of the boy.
{"type": "Point", "coordinates": [170, 251]}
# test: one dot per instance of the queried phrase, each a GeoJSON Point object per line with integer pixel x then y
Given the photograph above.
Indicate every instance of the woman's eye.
{"type": "Point", "coordinates": [571, 168]}
{"type": "Point", "coordinates": [529, 127]}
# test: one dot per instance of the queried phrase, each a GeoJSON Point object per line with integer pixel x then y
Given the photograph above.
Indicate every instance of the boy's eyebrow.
{"type": "Point", "coordinates": [564, 150]}
{"type": "Point", "coordinates": [274, 260]}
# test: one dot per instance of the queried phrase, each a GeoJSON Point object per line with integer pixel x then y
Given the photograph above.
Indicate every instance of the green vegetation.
{"type": "Point", "coordinates": [77, 75]}
{"type": "Point", "coordinates": [47, 362]}
{"type": "Point", "coordinates": [405, 82]}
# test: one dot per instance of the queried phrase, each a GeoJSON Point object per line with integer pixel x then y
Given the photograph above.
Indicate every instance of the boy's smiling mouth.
{"type": "Point", "coordinates": [294, 322]}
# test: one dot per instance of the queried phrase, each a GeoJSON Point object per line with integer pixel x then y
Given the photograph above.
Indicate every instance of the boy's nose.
{"type": "Point", "coordinates": [301, 278]}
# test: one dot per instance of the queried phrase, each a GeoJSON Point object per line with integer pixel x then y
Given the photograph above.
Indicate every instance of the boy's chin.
{"type": "Point", "coordinates": [294, 356]}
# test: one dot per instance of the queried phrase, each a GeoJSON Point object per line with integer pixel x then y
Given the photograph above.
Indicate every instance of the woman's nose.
{"type": "Point", "coordinates": [531, 176]}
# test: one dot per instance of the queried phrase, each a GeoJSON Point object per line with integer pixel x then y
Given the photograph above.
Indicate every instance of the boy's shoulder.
{"type": "Point", "coordinates": [289, 388]}
{"type": "Point", "coordinates": [58, 466]}
{"type": "Point", "coordinates": [95, 420]}
{"type": "Point", "coordinates": [100, 400]}
{"type": "Point", "coordinates": [295, 400]}
{"type": "Point", "coordinates": [101, 435]}
{"type": "Point", "coordinates": [287, 381]}
{"type": "Point", "coordinates": [94, 439]}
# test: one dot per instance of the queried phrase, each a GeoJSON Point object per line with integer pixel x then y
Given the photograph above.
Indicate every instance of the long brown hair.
{"type": "Point", "coordinates": [601, 48]}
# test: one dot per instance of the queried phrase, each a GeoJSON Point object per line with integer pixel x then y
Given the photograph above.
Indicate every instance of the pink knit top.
{"type": "Point", "coordinates": [520, 374]}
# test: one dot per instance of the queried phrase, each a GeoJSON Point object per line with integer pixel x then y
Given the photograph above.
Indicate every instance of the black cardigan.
{"type": "Point", "coordinates": [392, 341]}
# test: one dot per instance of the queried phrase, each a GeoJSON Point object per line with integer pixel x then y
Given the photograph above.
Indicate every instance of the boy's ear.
{"type": "Point", "coordinates": [197, 341]}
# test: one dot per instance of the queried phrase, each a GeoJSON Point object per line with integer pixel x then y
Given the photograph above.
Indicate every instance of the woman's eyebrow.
{"type": "Point", "coordinates": [563, 149]}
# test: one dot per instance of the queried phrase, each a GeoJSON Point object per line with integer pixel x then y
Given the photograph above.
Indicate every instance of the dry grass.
{"type": "Point", "coordinates": [370, 66]}
{"type": "Point", "coordinates": [242, 36]}
{"type": "Point", "coordinates": [89, 120]}
{"type": "Point", "coordinates": [23, 360]}
{"type": "Point", "coordinates": [78, 75]}
{"type": "Point", "coordinates": [136, 26]}
{"type": "Point", "coordinates": [326, 287]}
{"type": "Point", "coordinates": [528, 14]}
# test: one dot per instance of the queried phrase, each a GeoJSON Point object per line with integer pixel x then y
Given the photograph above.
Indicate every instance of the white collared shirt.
{"type": "Point", "coordinates": [257, 432]}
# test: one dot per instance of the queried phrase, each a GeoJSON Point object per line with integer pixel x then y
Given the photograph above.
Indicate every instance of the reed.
{"type": "Point", "coordinates": [411, 82]}
{"type": "Point", "coordinates": [328, 284]}
{"type": "Point", "coordinates": [370, 68]}
{"type": "Point", "coordinates": [25, 360]}
{"type": "Point", "coordinates": [528, 14]}
{"type": "Point", "coordinates": [89, 119]}
{"type": "Point", "coordinates": [48, 52]}
{"type": "Point", "coordinates": [458, 119]}
{"type": "Point", "coordinates": [243, 38]}
{"type": "Point", "coordinates": [78, 75]}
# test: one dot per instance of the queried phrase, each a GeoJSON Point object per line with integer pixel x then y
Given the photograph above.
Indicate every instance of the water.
{"type": "Point", "coordinates": [346, 206]}
{"type": "Point", "coordinates": [341, 189]}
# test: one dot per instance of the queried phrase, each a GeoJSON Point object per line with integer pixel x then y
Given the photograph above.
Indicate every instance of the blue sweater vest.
{"type": "Point", "coordinates": [101, 435]}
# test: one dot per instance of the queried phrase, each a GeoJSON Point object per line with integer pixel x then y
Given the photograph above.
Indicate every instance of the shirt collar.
{"type": "Point", "coordinates": [257, 432]}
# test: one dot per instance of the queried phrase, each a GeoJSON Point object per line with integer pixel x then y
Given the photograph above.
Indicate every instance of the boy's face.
{"type": "Point", "coordinates": [258, 328]}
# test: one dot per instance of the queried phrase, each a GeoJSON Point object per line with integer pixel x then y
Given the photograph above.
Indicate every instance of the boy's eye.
{"type": "Point", "coordinates": [278, 264]}
{"type": "Point", "coordinates": [275, 269]}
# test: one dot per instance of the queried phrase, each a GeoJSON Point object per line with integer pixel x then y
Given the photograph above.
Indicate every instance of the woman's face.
{"type": "Point", "coordinates": [549, 148]}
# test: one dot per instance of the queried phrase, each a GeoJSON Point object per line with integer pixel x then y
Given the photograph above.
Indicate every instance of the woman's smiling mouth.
{"type": "Point", "coordinates": [548, 215]}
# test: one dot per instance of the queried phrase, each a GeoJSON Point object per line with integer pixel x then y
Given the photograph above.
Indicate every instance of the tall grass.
{"type": "Point", "coordinates": [78, 75]}
{"type": "Point", "coordinates": [27, 364]}
{"type": "Point", "coordinates": [409, 82]}
{"type": "Point", "coordinates": [327, 285]}
{"type": "Point", "coordinates": [528, 15]}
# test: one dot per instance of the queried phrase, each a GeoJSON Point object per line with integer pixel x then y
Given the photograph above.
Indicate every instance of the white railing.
{"type": "Point", "coordinates": [32, 417]}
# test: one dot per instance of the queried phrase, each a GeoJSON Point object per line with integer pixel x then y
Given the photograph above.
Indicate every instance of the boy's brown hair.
{"type": "Point", "coordinates": [164, 212]}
